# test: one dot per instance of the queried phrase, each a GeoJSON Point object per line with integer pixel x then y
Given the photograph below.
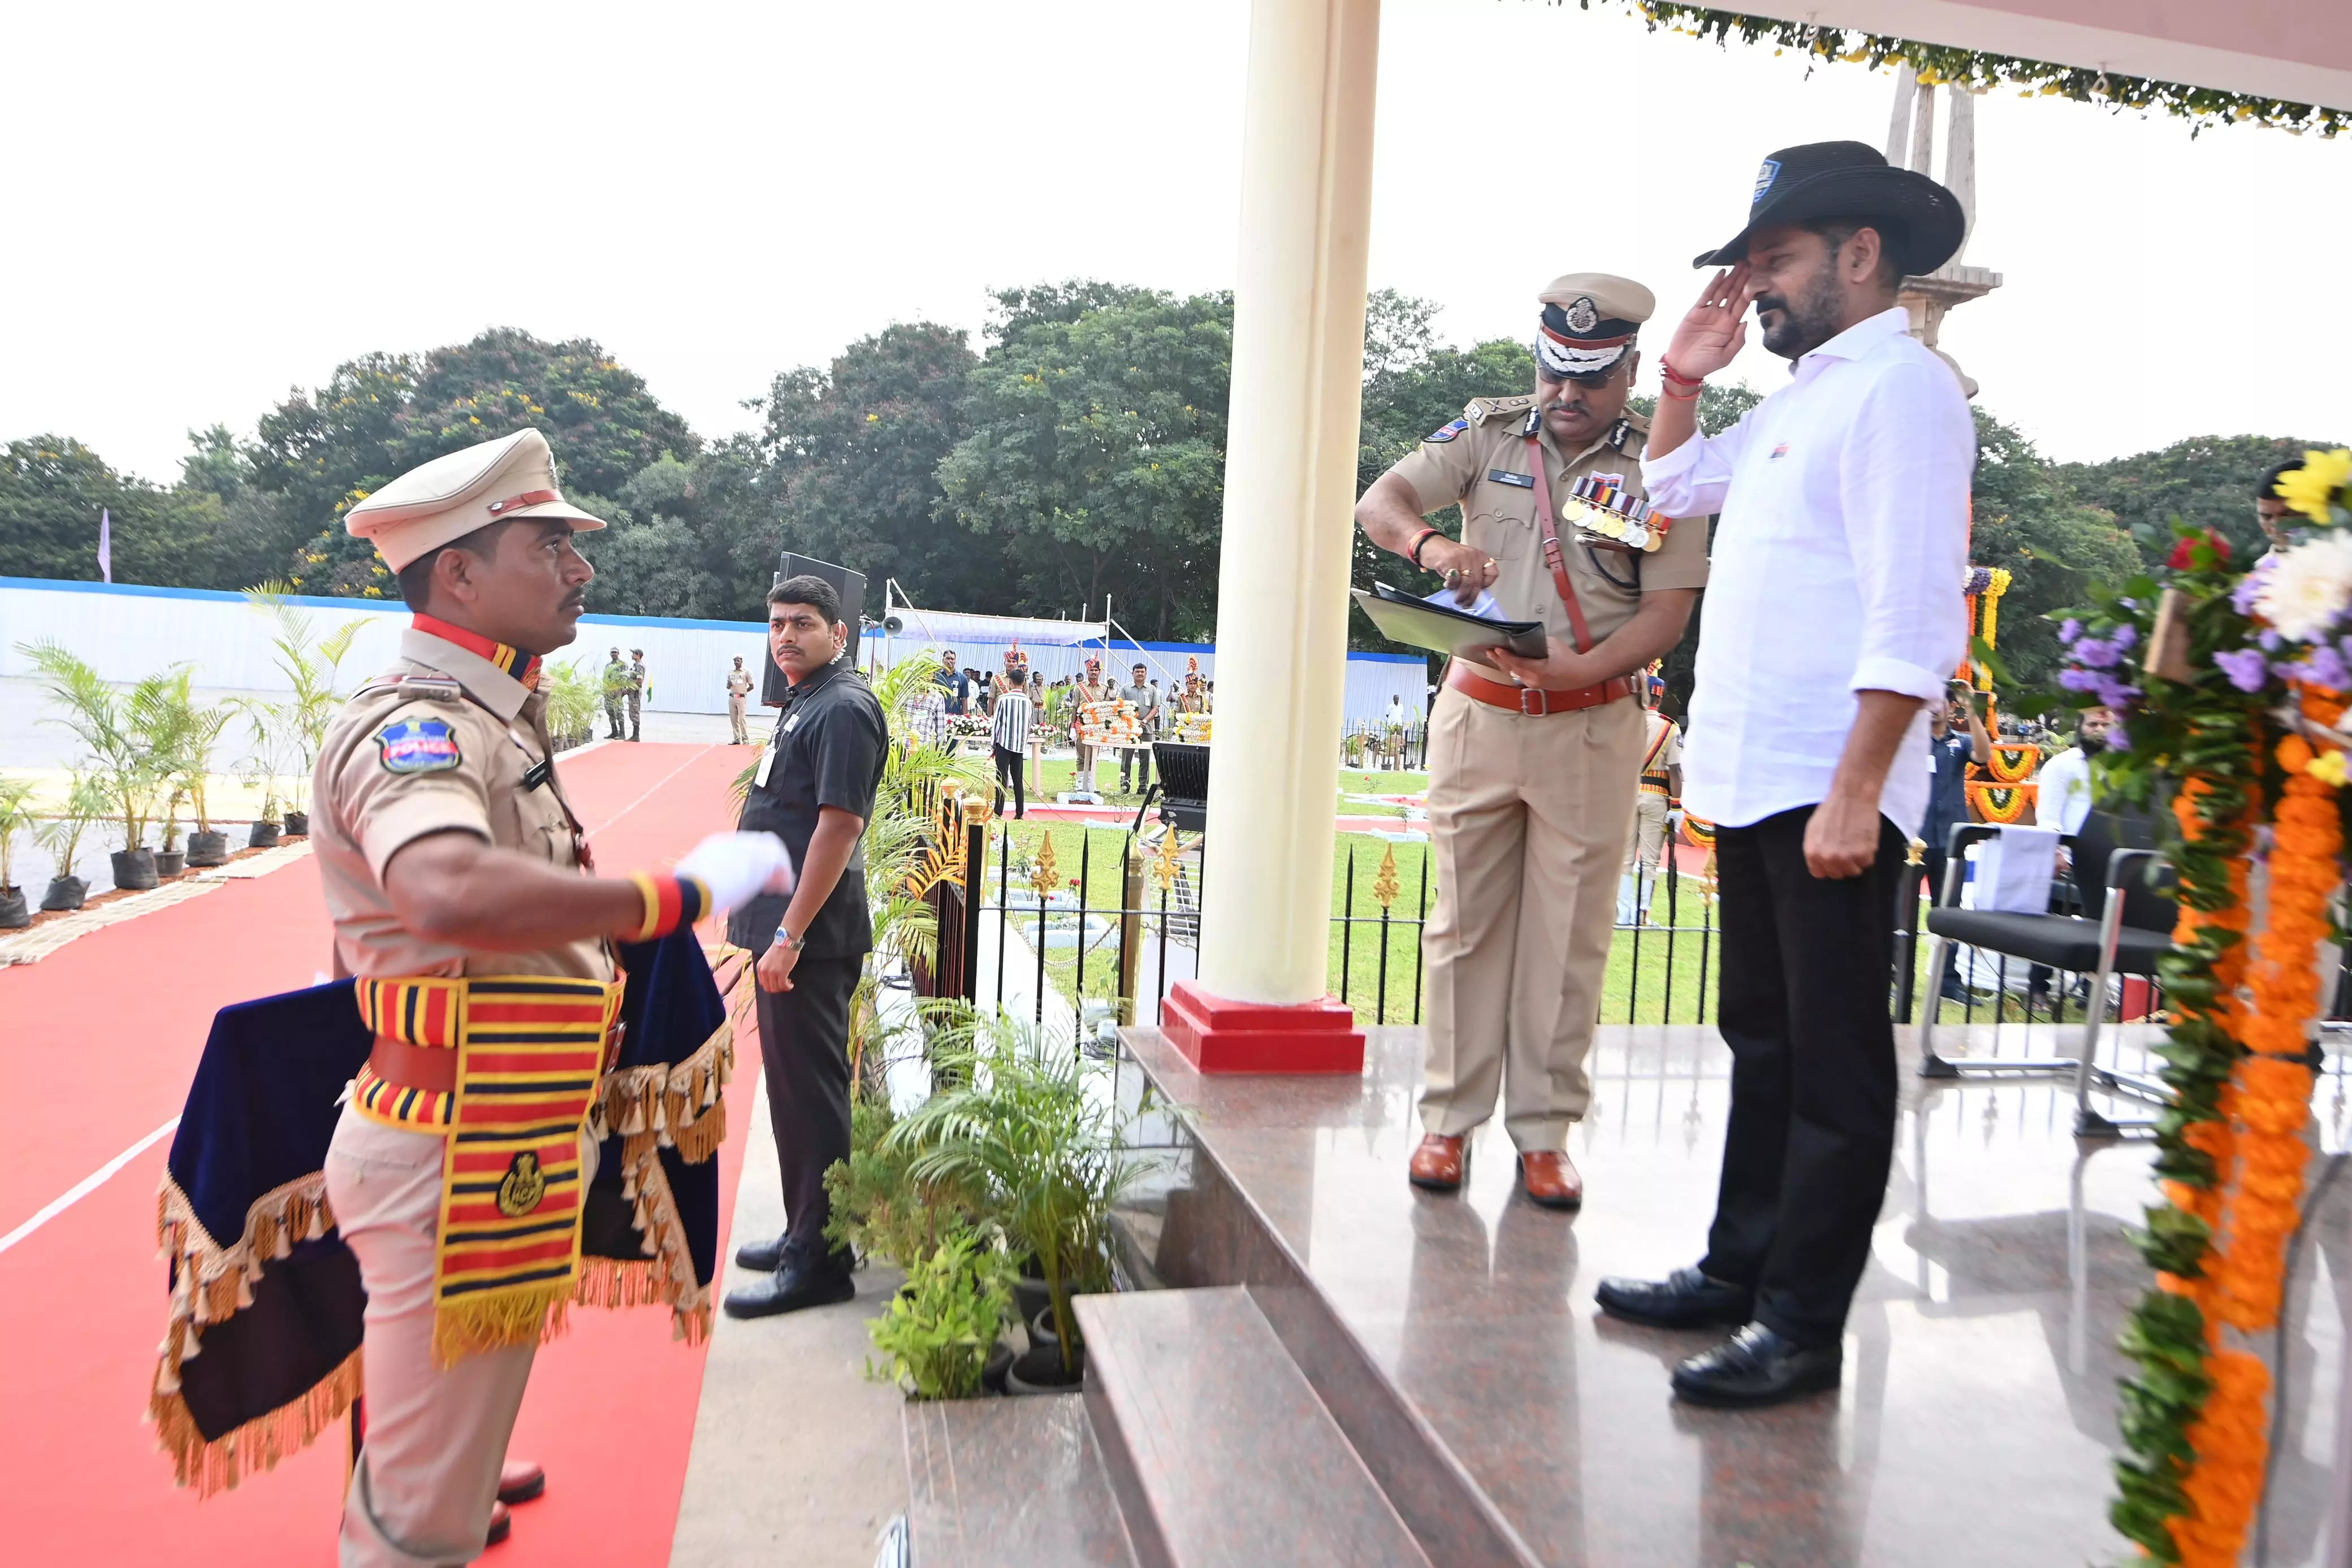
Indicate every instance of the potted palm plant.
{"type": "Point", "coordinates": [309, 664]}
{"type": "Point", "coordinates": [1020, 1122]}
{"type": "Point", "coordinates": [62, 835]}
{"type": "Point", "coordinates": [188, 733]}
{"type": "Point", "coordinates": [15, 817]}
{"type": "Point", "coordinates": [111, 723]}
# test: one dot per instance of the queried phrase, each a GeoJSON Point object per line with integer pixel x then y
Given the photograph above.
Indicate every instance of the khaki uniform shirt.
{"type": "Point", "coordinates": [739, 682]}
{"type": "Point", "coordinates": [1472, 462]}
{"type": "Point", "coordinates": [440, 741]}
{"type": "Point", "coordinates": [1662, 747]}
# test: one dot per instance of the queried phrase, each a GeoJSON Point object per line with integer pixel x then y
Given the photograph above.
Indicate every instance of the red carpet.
{"type": "Point", "coordinates": [97, 1043]}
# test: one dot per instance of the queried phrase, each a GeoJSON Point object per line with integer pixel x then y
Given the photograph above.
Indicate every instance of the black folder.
{"type": "Point", "coordinates": [1418, 624]}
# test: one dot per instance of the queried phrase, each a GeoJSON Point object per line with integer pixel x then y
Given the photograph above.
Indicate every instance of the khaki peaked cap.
{"type": "Point", "coordinates": [442, 501]}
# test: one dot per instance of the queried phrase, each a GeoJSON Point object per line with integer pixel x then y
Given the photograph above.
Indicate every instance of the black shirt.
{"type": "Point", "coordinates": [829, 744]}
{"type": "Point", "coordinates": [959, 685]}
{"type": "Point", "coordinates": [1948, 790]}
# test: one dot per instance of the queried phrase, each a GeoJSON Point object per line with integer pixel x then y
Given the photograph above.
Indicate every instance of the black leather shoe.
{"type": "Point", "coordinates": [795, 1284]}
{"type": "Point", "coordinates": [1684, 1298]}
{"type": "Point", "coordinates": [763, 1256]}
{"type": "Point", "coordinates": [1758, 1366]}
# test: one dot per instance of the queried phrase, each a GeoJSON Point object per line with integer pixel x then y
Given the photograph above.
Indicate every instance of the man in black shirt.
{"type": "Point", "coordinates": [815, 790]}
{"type": "Point", "coordinates": [1950, 752]}
{"type": "Point", "coordinates": [957, 696]}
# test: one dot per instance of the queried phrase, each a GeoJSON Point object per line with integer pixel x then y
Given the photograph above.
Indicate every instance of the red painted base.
{"type": "Point", "coordinates": [1220, 1036]}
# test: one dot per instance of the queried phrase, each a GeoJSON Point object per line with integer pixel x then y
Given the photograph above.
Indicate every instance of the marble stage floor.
{"type": "Point", "coordinates": [1977, 1419]}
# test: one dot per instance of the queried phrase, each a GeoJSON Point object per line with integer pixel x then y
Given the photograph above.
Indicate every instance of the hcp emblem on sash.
{"type": "Point", "coordinates": [523, 1185]}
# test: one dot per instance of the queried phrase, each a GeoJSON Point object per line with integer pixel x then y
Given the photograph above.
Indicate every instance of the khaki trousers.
{"type": "Point", "coordinates": [735, 717]}
{"type": "Point", "coordinates": [1526, 821]}
{"type": "Point", "coordinates": [428, 1472]}
{"type": "Point", "coordinates": [1645, 845]}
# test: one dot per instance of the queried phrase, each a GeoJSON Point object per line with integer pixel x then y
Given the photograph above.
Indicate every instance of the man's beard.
{"type": "Point", "coordinates": [2092, 745]}
{"type": "Point", "coordinates": [1807, 321]}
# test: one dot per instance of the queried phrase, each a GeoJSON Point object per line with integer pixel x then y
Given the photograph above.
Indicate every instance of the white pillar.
{"type": "Point", "coordinates": [1961, 164]}
{"type": "Point", "coordinates": [1290, 484]}
{"type": "Point", "coordinates": [1899, 126]}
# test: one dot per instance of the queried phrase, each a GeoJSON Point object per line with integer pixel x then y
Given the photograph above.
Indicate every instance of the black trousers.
{"type": "Point", "coordinates": [1008, 770]}
{"type": "Point", "coordinates": [1810, 1137]}
{"type": "Point", "coordinates": [1137, 758]}
{"type": "Point", "coordinates": [805, 1048]}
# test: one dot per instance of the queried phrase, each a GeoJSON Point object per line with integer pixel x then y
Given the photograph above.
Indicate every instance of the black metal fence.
{"type": "Point", "coordinates": [1374, 746]}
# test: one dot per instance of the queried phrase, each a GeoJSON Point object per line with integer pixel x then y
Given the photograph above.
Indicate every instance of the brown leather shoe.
{"type": "Point", "coordinates": [501, 1524]}
{"type": "Point", "coordinates": [1551, 1180]}
{"type": "Point", "coordinates": [520, 1480]}
{"type": "Point", "coordinates": [1438, 1163]}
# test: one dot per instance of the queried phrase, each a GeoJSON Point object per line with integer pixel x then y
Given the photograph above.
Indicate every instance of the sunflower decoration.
{"type": "Point", "coordinates": [2317, 489]}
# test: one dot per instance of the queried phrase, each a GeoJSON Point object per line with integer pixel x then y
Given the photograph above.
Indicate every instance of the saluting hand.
{"type": "Point", "coordinates": [1711, 333]}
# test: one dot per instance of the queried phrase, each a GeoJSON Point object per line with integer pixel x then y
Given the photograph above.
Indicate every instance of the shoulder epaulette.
{"type": "Point", "coordinates": [1479, 410]}
{"type": "Point", "coordinates": [1624, 431]}
{"type": "Point", "coordinates": [413, 688]}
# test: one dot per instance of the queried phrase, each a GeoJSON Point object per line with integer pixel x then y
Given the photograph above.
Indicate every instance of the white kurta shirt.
{"type": "Point", "coordinates": [2065, 797]}
{"type": "Point", "coordinates": [1839, 566]}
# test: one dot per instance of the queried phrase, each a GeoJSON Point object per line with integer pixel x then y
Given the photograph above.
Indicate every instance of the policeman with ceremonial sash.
{"type": "Point", "coordinates": [457, 881]}
{"type": "Point", "coordinates": [1533, 762]}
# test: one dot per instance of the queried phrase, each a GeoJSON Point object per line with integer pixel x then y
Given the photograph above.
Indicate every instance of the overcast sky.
{"type": "Point", "coordinates": [216, 202]}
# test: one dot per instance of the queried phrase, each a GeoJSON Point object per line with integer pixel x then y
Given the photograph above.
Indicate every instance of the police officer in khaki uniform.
{"type": "Point", "coordinates": [1653, 806]}
{"type": "Point", "coordinates": [447, 851]}
{"type": "Point", "coordinates": [1532, 762]}
{"type": "Point", "coordinates": [739, 691]}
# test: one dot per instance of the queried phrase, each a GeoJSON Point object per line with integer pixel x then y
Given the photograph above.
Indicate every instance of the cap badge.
{"type": "Point", "coordinates": [1768, 172]}
{"type": "Point", "coordinates": [1582, 317]}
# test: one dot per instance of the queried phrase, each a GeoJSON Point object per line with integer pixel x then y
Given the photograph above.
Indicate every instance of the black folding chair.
{"type": "Point", "coordinates": [2127, 924]}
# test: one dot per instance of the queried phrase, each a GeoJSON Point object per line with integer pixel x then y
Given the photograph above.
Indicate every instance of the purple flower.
{"type": "Point", "coordinates": [2120, 738]}
{"type": "Point", "coordinates": [2097, 654]}
{"type": "Point", "coordinates": [2114, 693]}
{"type": "Point", "coordinates": [2126, 636]}
{"type": "Point", "coordinates": [2269, 640]}
{"type": "Point", "coordinates": [2075, 680]}
{"type": "Point", "coordinates": [2069, 628]}
{"type": "Point", "coordinates": [2324, 666]}
{"type": "Point", "coordinates": [2247, 669]}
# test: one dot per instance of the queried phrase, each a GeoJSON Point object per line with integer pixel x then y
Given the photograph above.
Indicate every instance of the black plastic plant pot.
{"type": "Point", "coordinates": [12, 912]}
{"type": "Point", "coordinates": [1039, 1371]}
{"type": "Point", "coordinates": [1030, 1296]}
{"type": "Point", "coordinates": [1000, 1361]}
{"type": "Point", "coordinates": [133, 868]}
{"type": "Point", "coordinates": [171, 863]}
{"type": "Point", "coordinates": [65, 892]}
{"type": "Point", "coordinates": [297, 824]}
{"type": "Point", "coordinates": [207, 849]}
{"type": "Point", "coordinates": [263, 837]}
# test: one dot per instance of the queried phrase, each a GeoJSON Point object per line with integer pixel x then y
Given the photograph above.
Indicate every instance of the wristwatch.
{"type": "Point", "coordinates": [785, 937]}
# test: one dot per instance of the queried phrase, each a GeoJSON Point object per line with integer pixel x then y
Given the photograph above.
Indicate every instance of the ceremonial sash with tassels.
{"type": "Point", "coordinates": [530, 1051]}
{"type": "Point", "coordinates": [261, 1346]}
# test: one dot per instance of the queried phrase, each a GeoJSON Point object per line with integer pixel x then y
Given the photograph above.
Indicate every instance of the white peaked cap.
{"type": "Point", "coordinates": [449, 497]}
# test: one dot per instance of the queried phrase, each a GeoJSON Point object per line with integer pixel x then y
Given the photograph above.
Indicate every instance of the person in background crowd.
{"type": "Point", "coordinates": [955, 691]}
{"type": "Point", "coordinates": [1661, 792]}
{"type": "Point", "coordinates": [1093, 689]}
{"type": "Point", "coordinates": [1036, 732]}
{"type": "Point", "coordinates": [815, 791]}
{"type": "Point", "coordinates": [639, 693]}
{"type": "Point", "coordinates": [1956, 737]}
{"type": "Point", "coordinates": [1533, 761]}
{"type": "Point", "coordinates": [739, 691]}
{"type": "Point", "coordinates": [1393, 727]}
{"type": "Point", "coordinates": [2278, 520]}
{"type": "Point", "coordinates": [1144, 697]}
{"type": "Point", "coordinates": [1009, 738]}
{"type": "Point", "coordinates": [1842, 508]}
{"type": "Point", "coordinates": [2062, 800]}
{"type": "Point", "coordinates": [616, 697]}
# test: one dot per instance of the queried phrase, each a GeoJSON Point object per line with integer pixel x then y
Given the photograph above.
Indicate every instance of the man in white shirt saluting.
{"type": "Point", "coordinates": [1835, 614]}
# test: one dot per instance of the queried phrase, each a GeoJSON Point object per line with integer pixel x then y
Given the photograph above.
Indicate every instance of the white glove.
{"type": "Point", "coordinates": [738, 867]}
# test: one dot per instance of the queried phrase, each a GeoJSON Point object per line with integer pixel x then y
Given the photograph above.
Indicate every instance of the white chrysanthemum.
{"type": "Point", "coordinates": [2310, 589]}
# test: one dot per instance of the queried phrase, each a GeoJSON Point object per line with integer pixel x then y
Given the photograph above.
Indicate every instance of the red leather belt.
{"type": "Point", "coordinates": [1535, 700]}
{"type": "Point", "coordinates": [428, 1067]}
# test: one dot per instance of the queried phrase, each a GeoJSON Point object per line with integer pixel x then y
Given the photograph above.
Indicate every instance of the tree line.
{"type": "Point", "coordinates": [1074, 457]}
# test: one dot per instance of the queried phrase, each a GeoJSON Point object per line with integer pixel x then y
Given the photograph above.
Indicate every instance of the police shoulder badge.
{"type": "Point", "coordinates": [1448, 431]}
{"type": "Point", "coordinates": [418, 746]}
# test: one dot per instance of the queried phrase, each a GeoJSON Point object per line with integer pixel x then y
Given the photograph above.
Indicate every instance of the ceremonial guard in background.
{"type": "Point", "coordinates": [1093, 688]}
{"type": "Point", "coordinates": [638, 692]}
{"type": "Point", "coordinates": [616, 699]}
{"type": "Point", "coordinates": [1653, 806]}
{"type": "Point", "coordinates": [1532, 763]}
{"type": "Point", "coordinates": [739, 691]}
{"type": "Point", "coordinates": [455, 875]}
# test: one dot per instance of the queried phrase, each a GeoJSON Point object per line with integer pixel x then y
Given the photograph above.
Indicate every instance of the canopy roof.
{"type": "Point", "coordinates": [956, 626]}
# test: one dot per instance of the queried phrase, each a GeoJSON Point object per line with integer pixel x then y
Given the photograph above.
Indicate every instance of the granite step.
{"type": "Point", "coordinates": [1219, 1453]}
{"type": "Point", "coordinates": [1009, 1483]}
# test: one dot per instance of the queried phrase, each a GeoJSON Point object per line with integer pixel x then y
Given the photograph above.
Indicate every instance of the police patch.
{"type": "Point", "coordinates": [418, 746]}
{"type": "Point", "coordinates": [1768, 172]}
{"type": "Point", "coordinates": [1448, 431]}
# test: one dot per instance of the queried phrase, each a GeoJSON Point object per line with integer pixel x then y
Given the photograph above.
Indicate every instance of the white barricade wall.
{"type": "Point", "coordinates": [126, 632]}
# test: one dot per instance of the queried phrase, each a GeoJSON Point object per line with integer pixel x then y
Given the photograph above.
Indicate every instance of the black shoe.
{"type": "Point", "coordinates": [1758, 1366]}
{"type": "Point", "coordinates": [763, 1256]}
{"type": "Point", "coordinates": [1684, 1298]}
{"type": "Point", "coordinates": [795, 1284]}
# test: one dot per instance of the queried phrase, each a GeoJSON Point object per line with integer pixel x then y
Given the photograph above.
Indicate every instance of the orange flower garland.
{"type": "Point", "coordinates": [2214, 1137]}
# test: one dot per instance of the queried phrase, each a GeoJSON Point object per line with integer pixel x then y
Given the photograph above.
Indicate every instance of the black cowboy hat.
{"type": "Point", "coordinates": [1920, 220]}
